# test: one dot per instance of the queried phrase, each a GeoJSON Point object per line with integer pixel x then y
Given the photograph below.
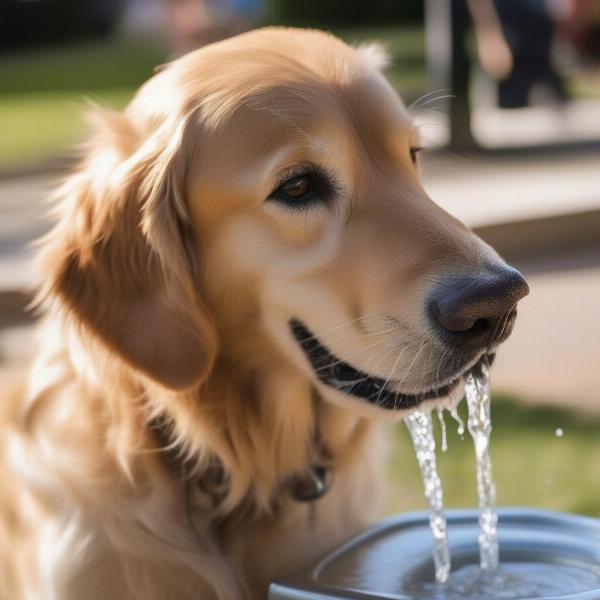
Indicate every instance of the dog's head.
{"type": "Point", "coordinates": [259, 200]}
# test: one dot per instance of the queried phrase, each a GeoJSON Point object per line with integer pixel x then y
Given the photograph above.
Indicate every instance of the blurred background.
{"type": "Point", "coordinates": [506, 95]}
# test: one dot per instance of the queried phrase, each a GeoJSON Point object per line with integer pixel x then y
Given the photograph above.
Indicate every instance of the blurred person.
{"type": "Point", "coordinates": [190, 24]}
{"type": "Point", "coordinates": [579, 30]}
{"type": "Point", "coordinates": [513, 41]}
{"type": "Point", "coordinates": [493, 51]}
{"type": "Point", "coordinates": [528, 28]}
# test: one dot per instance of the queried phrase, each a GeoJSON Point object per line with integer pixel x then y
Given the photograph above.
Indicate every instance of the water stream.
{"type": "Point", "coordinates": [477, 392]}
{"type": "Point", "coordinates": [420, 426]}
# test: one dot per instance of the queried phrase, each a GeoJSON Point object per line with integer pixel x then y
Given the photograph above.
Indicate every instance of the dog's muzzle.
{"type": "Point", "coordinates": [340, 375]}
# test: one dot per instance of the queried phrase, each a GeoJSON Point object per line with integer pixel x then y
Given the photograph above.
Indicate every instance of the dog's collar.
{"type": "Point", "coordinates": [307, 486]}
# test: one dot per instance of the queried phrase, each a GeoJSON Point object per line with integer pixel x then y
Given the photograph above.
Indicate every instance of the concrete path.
{"type": "Point", "coordinates": [22, 220]}
{"type": "Point", "coordinates": [554, 352]}
{"type": "Point", "coordinates": [487, 190]}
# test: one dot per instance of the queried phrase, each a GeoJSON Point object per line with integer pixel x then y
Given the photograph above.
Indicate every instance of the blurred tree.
{"type": "Point", "coordinates": [319, 13]}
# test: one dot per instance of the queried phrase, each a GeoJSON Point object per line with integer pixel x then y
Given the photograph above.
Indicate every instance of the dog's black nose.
{"type": "Point", "coordinates": [478, 311]}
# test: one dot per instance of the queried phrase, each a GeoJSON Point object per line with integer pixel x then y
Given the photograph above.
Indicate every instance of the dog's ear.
{"type": "Point", "coordinates": [122, 256]}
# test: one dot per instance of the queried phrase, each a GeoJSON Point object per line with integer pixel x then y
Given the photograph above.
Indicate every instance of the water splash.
{"type": "Point", "coordinates": [477, 392]}
{"type": "Point", "coordinates": [444, 444]}
{"type": "Point", "coordinates": [461, 425]}
{"type": "Point", "coordinates": [420, 427]}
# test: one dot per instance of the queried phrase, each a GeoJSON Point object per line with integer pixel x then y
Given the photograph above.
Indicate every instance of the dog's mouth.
{"type": "Point", "coordinates": [345, 378]}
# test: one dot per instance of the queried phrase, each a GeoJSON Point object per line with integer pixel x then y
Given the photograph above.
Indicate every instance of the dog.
{"type": "Point", "coordinates": [244, 283]}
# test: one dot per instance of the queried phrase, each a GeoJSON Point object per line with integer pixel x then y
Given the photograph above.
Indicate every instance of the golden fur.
{"type": "Point", "coordinates": [168, 284]}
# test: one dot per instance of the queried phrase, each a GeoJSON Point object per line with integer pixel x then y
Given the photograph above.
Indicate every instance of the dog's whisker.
{"type": "Point", "coordinates": [380, 359]}
{"type": "Point", "coordinates": [440, 362]}
{"type": "Point", "coordinates": [353, 336]}
{"type": "Point", "coordinates": [410, 366]}
{"type": "Point", "coordinates": [428, 365]}
{"type": "Point", "coordinates": [383, 355]}
{"type": "Point", "coordinates": [389, 376]}
{"type": "Point", "coordinates": [344, 324]}
{"type": "Point", "coordinates": [352, 355]}
{"type": "Point", "coordinates": [418, 102]}
{"type": "Point", "coordinates": [421, 107]}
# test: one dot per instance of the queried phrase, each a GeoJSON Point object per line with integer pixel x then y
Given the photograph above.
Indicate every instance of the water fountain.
{"type": "Point", "coordinates": [504, 555]}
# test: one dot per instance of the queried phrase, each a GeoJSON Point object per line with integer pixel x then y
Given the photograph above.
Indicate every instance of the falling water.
{"type": "Point", "coordinates": [420, 426]}
{"type": "Point", "coordinates": [444, 444]}
{"type": "Point", "coordinates": [477, 392]}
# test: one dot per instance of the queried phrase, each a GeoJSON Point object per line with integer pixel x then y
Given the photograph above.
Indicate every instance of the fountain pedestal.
{"type": "Point", "coordinates": [542, 555]}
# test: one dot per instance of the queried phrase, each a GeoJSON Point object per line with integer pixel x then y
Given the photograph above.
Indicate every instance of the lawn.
{"type": "Point", "coordinates": [38, 125]}
{"type": "Point", "coordinates": [533, 466]}
{"type": "Point", "coordinates": [42, 91]}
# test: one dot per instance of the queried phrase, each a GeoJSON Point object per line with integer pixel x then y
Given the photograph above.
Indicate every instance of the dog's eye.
{"type": "Point", "coordinates": [297, 188]}
{"type": "Point", "coordinates": [414, 154]}
{"type": "Point", "coordinates": [304, 189]}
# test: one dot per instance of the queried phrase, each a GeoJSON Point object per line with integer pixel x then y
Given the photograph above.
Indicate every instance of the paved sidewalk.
{"type": "Point", "coordinates": [485, 190]}
{"type": "Point", "coordinates": [22, 220]}
{"type": "Point", "coordinates": [554, 352]}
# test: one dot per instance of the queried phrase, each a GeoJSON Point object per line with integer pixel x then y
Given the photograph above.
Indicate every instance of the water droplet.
{"type": "Point", "coordinates": [559, 432]}
{"type": "Point", "coordinates": [461, 426]}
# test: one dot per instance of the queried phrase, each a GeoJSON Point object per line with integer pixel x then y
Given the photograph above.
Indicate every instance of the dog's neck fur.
{"type": "Point", "coordinates": [84, 403]}
{"type": "Point", "coordinates": [262, 430]}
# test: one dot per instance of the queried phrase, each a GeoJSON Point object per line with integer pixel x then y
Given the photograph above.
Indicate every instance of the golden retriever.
{"type": "Point", "coordinates": [244, 281]}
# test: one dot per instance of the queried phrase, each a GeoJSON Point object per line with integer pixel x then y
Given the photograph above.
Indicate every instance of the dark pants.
{"type": "Point", "coordinates": [529, 32]}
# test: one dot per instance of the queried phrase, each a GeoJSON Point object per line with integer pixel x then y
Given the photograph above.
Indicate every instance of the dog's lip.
{"type": "Point", "coordinates": [345, 378]}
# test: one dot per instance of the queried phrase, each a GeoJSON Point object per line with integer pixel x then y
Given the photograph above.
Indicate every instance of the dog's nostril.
{"type": "Point", "coordinates": [480, 326]}
{"type": "Point", "coordinates": [478, 311]}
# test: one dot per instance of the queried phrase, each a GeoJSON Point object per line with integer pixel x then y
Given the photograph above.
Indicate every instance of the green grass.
{"type": "Point", "coordinates": [88, 66]}
{"type": "Point", "coordinates": [532, 466]}
{"type": "Point", "coordinates": [36, 126]}
{"type": "Point", "coordinates": [42, 91]}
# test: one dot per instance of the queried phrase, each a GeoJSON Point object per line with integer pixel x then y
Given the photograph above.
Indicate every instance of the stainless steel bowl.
{"type": "Point", "coordinates": [393, 559]}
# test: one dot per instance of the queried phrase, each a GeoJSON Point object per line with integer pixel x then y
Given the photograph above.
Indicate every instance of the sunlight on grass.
{"type": "Point", "coordinates": [532, 465]}
{"type": "Point", "coordinates": [35, 126]}
{"type": "Point", "coordinates": [83, 66]}
{"type": "Point", "coordinates": [43, 90]}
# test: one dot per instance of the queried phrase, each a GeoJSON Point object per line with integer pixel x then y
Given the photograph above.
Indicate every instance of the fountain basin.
{"type": "Point", "coordinates": [543, 555]}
